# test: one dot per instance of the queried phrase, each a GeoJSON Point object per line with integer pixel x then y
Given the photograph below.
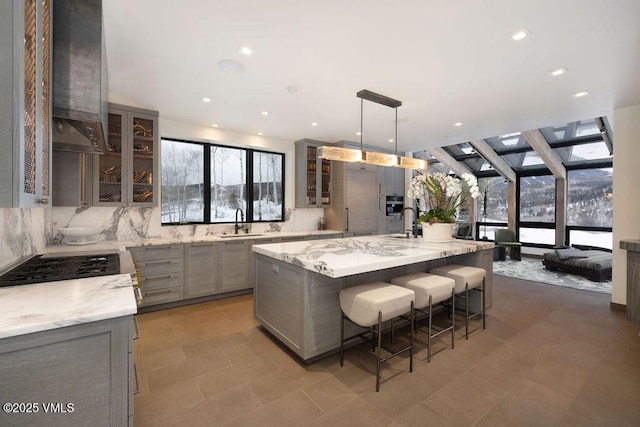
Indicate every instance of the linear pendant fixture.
{"type": "Point", "coordinates": [372, 157]}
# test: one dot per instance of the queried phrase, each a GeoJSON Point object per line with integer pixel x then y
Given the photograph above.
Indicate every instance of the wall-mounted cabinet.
{"type": "Point", "coordinates": [313, 176]}
{"type": "Point", "coordinates": [127, 175]}
{"type": "Point", "coordinates": [25, 108]}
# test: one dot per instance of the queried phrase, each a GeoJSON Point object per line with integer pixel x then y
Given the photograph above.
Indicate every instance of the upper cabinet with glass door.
{"type": "Point", "coordinates": [25, 110]}
{"type": "Point", "coordinates": [127, 174]}
{"type": "Point", "coordinates": [313, 176]}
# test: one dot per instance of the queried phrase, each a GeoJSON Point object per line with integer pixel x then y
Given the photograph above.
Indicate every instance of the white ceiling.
{"type": "Point", "coordinates": [447, 61]}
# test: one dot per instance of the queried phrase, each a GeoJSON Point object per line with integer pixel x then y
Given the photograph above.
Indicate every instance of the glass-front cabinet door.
{"type": "Point", "coordinates": [142, 164]}
{"type": "Point", "coordinates": [314, 190]}
{"type": "Point", "coordinates": [126, 174]}
{"type": "Point", "coordinates": [110, 187]}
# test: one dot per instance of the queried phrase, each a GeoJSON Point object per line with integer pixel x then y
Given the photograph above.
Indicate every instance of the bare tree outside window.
{"type": "Point", "coordinates": [267, 177]}
{"type": "Point", "coordinates": [182, 182]}
{"type": "Point", "coordinates": [227, 183]}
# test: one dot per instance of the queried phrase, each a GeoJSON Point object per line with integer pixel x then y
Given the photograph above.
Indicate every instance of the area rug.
{"type": "Point", "coordinates": [535, 271]}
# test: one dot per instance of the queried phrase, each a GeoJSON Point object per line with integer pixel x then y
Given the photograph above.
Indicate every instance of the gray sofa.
{"type": "Point", "coordinates": [593, 264]}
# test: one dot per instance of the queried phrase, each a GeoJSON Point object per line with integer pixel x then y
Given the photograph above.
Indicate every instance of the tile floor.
{"type": "Point", "coordinates": [549, 356]}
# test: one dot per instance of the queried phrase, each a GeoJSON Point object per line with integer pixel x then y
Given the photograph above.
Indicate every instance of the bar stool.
{"type": "Point", "coordinates": [467, 278]}
{"type": "Point", "coordinates": [368, 306]}
{"type": "Point", "coordinates": [430, 290]}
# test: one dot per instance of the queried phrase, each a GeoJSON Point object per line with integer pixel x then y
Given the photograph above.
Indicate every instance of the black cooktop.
{"type": "Point", "coordinates": [41, 269]}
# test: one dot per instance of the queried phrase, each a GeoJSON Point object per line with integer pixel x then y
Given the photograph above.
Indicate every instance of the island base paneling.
{"type": "Point", "coordinates": [301, 308]}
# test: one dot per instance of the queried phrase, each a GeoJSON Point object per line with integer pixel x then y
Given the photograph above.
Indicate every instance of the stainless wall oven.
{"type": "Point", "coordinates": [394, 205]}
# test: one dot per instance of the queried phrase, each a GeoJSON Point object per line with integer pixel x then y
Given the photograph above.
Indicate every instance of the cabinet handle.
{"type": "Point", "coordinates": [42, 201]}
{"type": "Point", "coordinates": [148, 248]}
{"type": "Point", "coordinates": [158, 262]}
{"type": "Point", "coordinates": [160, 292]}
{"type": "Point", "coordinates": [347, 216]}
{"type": "Point", "coordinates": [135, 376]}
{"type": "Point", "coordinates": [149, 279]}
{"type": "Point", "coordinates": [202, 244]}
{"type": "Point", "coordinates": [139, 298]}
{"type": "Point", "coordinates": [136, 328]}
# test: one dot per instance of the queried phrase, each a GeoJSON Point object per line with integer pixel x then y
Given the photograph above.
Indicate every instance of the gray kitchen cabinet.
{"type": "Point", "coordinates": [127, 175]}
{"type": "Point", "coordinates": [356, 201]}
{"type": "Point", "coordinates": [391, 181]}
{"type": "Point", "coordinates": [161, 273]}
{"type": "Point", "coordinates": [86, 365]}
{"type": "Point", "coordinates": [201, 266]}
{"type": "Point", "coordinates": [234, 265]}
{"type": "Point", "coordinates": [252, 261]}
{"type": "Point", "coordinates": [25, 106]}
{"type": "Point", "coordinates": [313, 176]}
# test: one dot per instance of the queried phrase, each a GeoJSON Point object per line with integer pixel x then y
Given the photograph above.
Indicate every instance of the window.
{"type": "Point", "coordinates": [537, 199]}
{"type": "Point", "coordinates": [182, 182]}
{"type": "Point", "coordinates": [493, 205]}
{"type": "Point", "coordinates": [208, 183]}
{"type": "Point", "coordinates": [589, 197]}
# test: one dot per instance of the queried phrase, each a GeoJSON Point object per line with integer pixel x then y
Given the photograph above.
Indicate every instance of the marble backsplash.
{"type": "Point", "coordinates": [24, 232]}
{"type": "Point", "coordinates": [139, 223]}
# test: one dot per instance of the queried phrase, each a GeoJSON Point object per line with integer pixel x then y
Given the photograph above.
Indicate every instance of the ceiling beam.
{"type": "Point", "coordinates": [538, 142]}
{"type": "Point", "coordinates": [447, 160]}
{"type": "Point", "coordinates": [496, 161]}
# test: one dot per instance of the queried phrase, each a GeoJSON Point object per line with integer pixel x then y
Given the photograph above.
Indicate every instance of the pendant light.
{"type": "Point", "coordinates": [372, 157]}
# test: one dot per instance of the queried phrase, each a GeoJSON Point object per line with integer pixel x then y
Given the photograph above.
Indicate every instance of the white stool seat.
{"type": "Point", "coordinates": [362, 303]}
{"type": "Point", "coordinates": [425, 284]}
{"type": "Point", "coordinates": [462, 274]}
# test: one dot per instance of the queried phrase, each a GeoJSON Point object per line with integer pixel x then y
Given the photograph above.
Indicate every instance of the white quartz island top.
{"type": "Point", "coordinates": [39, 307]}
{"type": "Point", "coordinates": [354, 255]}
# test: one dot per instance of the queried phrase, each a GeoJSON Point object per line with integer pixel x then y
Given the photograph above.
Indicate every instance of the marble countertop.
{"type": "Point", "coordinates": [26, 309]}
{"type": "Point", "coordinates": [355, 255]}
{"type": "Point", "coordinates": [632, 245]}
{"type": "Point", "coordinates": [118, 245]}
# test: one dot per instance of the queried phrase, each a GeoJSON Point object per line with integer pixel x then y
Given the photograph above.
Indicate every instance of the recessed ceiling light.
{"type": "Point", "coordinates": [205, 99]}
{"type": "Point", "coordinates": [580, 94]}
{"type": "Point", "coordinates": [520, 34]}
{"type": "Point", "coordinates": [314, 124]}
{"type": "Point", "coordinates": [260, 133]}
{"type": "Point", "coordinates": [391, 140]}
{"type": "Point", "coordinates": [264, 113]}
{"type": "Point", "coordinates": [245, 50]}
{"type": "Point", "coordinates": [358, 133]}
{"type": "Point", "coordinates": [231, 66]}
{"type": "Point", "coordinates": [214, 125]}
{"type": "Point", "coordinates": [558, 72]}
{"type": "Point", "coordinates": [458, 124]}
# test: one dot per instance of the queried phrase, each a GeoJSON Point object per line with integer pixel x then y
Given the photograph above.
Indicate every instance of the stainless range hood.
{"type": "Point", "coordinates": [79, 102]}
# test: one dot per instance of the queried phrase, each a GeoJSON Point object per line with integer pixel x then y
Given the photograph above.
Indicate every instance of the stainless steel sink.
{"type": "Point", "coordinates": [227, 236]}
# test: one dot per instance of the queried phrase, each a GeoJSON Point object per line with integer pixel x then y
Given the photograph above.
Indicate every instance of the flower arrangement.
{"type": "Point", "coordinates": [441, 195]}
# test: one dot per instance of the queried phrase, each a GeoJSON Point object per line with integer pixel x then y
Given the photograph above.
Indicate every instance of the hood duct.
{"type": "Point", "coordinates": [79, 102]}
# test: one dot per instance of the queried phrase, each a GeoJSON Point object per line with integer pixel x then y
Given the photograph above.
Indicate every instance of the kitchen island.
{"type": "Point", "coordinates": [296, 295]}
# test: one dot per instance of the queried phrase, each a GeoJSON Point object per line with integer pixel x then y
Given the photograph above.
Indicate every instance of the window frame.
{"type": "Point", "coordinates": [248, 183]}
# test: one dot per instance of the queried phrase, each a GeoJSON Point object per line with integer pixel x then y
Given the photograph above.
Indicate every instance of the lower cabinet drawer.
{"type": "Point", "coordinates": [147, 253]}
{"type": "Point", "coordinates": [161, 296]}
{"type": "Point", "coordinates": [150, 283]}
{"type": "Point", "coordinates": [163, 266]}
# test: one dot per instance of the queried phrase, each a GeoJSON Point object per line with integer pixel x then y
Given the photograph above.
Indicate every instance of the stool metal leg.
{"type": "Point", "coordinates": [411, 340]}
{"type": "Point", "coordinates": [484, 307]}
{"type": "Point", "coordinates": [453, 318]}
{"type": "Point", "coordinates": [429, 329]}
{"type": "Point", "coordinates": [341, 339]}
{"type": "Point", "coordinates": [379, 339]}
{"type": "Point", "coordinates": [466, 311]}
{"type": "Point", "coordinates": [392, 331]}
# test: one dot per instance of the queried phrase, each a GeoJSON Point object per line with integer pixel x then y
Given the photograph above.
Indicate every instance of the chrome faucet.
{"type": "Point", "coordinates": [414, 223]}
{"type": "Point", "coordinates": [236, 227]}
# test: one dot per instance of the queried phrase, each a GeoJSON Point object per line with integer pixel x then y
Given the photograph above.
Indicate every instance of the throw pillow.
{"type": "Point", "coordinates": [568, 253]}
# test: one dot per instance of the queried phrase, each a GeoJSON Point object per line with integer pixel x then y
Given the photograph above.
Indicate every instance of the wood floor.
{"type": "Point", "coordinates": [549, 356]}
